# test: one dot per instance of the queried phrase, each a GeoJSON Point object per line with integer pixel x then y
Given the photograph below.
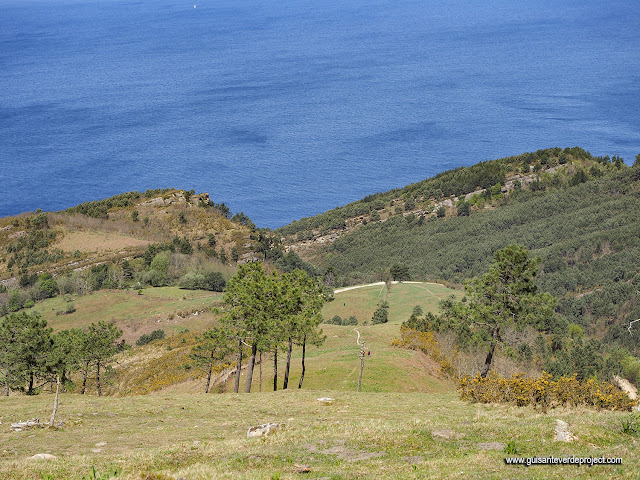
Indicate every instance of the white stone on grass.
{"type": "Point", "coordinates": [263, 430]}
{"type": "Point", "coordinates": [43, 456]}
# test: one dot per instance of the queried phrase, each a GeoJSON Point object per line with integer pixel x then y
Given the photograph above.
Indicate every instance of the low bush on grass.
{"type": "Point", "coordinates": [145, 339]}
{"type": "Point", "coordinates": [338, 320]}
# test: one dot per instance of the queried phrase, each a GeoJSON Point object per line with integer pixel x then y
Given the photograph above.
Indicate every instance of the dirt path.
{"type": "Point", "coordinates": [344, 289]}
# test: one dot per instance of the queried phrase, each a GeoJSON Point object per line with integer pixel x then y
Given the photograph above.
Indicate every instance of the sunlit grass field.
{"type": "Point", "coordinates": [135, 313]}
{"type": "Point", "coordinates": [402, 297]}
{"type": "Point", "coordinates": [366, 435]}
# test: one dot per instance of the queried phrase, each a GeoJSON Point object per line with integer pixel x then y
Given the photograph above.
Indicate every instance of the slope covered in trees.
{"type": "Point", "coordinates": [582, 224]}
{"type": "Point", "coordinates": [491, 176]}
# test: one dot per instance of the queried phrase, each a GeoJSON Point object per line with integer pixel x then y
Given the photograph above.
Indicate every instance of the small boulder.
{"type": "Point", "coordinates": [491, 446]}
{"type": "Point", "coordinates": [326, 400]}
{"type": "Point", "coordinates": [43, 456]}
{"type": "Point", "coordinates": [562, 432]}
{"type": "Point", "coordinates": [263, 430]}
{"type": "Point", "coordinates": [301, 468]}
{"type": "Point", "coordinates": [446, 434]}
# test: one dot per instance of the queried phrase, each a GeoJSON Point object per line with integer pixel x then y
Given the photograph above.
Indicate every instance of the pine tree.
{"type": "Point", "coordinates": [249, 297]}
{"type": "Point", "coordinates": [505, 296]}
{"type": "Point", "coordinates": [213, 348]}
{"type": "Point", "coordinates": [304, 299]}
{"type": "Point", "coordinates": [25, 344]}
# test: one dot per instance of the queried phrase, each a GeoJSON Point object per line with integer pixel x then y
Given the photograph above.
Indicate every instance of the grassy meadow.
{"type": "Point", "coordinates": [169, 308]}
{"type": "Point", "coordinates": [368, 435]}
{"type": "Point", "coordinates": [402, 297]}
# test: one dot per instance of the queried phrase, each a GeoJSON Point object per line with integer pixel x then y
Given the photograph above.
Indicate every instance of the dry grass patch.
{"type": "Point", "coordinates": [100, 242]}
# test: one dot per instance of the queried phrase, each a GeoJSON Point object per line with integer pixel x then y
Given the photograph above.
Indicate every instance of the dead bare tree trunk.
{"type": "Point", "coordinates": [238, 367]}
{"type": "Point", "coordinates": [286, 369]}
{"type": "Point", "coordinates": [55, 403]}
{"type": "Point", "coordinates": [252, 362]}
{"type": "Point", "coordinates": [275, 369]}
{"type": "Point", "coordinates": [206, 390]}
{"type": "Point", "coordinates": [260, 371]}
{"type": "Point", "coordinates": [304, 348]}
{"type": "Point", "coordinates": [98, 378]}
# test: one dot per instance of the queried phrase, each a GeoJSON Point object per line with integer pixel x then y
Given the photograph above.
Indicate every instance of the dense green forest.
{"type": "Point", "coordinates": [586, 235]}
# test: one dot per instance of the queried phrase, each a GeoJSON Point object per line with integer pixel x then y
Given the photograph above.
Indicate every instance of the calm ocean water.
{"type": "Point", "coordinates": [284, 109]}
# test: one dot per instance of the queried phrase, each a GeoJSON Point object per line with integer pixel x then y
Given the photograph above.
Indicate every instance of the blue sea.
{"type": "Point", "coordinates": [284, 109]}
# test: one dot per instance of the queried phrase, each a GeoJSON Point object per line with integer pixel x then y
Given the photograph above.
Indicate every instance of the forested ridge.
{"type": "Point", "coordinates": [456, 182]}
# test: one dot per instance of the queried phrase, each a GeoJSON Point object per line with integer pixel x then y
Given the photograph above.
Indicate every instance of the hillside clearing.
{"type": "Point", "coordinates": [100, 242]}
{"type": "Point", "coordinates": [169, 308]}
{"type": "Point", "coordinates": [362, 300]}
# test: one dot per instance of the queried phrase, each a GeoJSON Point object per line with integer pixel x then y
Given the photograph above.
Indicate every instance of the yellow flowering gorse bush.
{"type": "Point", "coordinates": [543, 392]}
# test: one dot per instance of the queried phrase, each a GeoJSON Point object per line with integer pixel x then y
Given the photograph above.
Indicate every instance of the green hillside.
{"type": "Point", "coordinates": [586, 235]}
{"type": "Point", "coordinates": [164, 363]}
{"type": "Point", "coordinates": [362, 301]}
{"type": "Point", "coordinates": [135, 313]}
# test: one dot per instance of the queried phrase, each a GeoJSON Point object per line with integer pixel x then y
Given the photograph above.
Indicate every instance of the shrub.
{"type": "Point", "coordinates": [464, 208]}
{"type": "Point", "coordinates": [215, 281]}
{"type": "Point", "coordinates": [153, 278]}
{"type": "Point", "coordinates": [145, 339]}
{"type": "Point", "coordinates": [543, 392]}
{"type": "Point", "coordinates": [48, 287]}
{"type": "Point", "coordinates": [425, 342]}
{"type": "Point", "coordinates": [352, 320]}
{"type": "Point", "coordinates": [381, 315]}
{"type": "Point", "coordinates": [335, 320]}
{"type": "Point", "coordinates": [161, 263]}
{"type": "Point", "coordinates": [15, 301]}
{"type": "Point", "coordinates": [193, 281]}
